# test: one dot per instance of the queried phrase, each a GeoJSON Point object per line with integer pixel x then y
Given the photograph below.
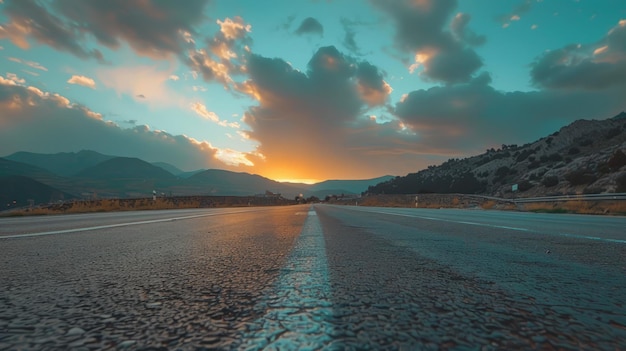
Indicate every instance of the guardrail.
{"type": "Point", "coordinates": [581, 197]}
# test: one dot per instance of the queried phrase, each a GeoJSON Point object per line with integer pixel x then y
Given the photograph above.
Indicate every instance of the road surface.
{"type": "Point", "coordinates": [313, 277]}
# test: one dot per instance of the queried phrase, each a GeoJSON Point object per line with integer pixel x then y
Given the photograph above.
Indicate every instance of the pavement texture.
{"type": "Point", "coordinates": [314, 278]}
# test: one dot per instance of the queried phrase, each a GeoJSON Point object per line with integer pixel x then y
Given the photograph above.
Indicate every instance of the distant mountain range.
{"type": "Point", "coordinates": [587, 156]}
{"type": "Point", "coordinates": [43, 178]}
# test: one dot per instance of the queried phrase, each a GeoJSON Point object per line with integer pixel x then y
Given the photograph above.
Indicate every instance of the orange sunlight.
{"type": "Point", "coordinates": [305, 181]}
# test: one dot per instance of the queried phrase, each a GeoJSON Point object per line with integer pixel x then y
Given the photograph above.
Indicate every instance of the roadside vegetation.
{"type": "Point", "coordinates": [474, 202]}
{"type": "Point", "coordinates": [161, 203]}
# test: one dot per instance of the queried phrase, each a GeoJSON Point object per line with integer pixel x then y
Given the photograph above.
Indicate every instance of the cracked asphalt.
{"type": "Point", "coordinates": [313, 277]}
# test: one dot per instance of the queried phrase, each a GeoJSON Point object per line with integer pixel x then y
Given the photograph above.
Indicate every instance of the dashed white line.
{"type": "Point", "coordinates": [116, 225]}
{"type": "Point", "coordinates": [588, 237]}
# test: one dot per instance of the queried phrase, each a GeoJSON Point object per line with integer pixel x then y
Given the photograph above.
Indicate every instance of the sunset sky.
{"type": "Point", "coordinates": [304, 90]}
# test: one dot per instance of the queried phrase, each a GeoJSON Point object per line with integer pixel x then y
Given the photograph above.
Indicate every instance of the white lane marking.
{"type": "Point", "coordinates": [588, 237]}
{"type": "Point", "coordinates": [107, 226]}
{"type": "Point", "coordinates": [299, 309]}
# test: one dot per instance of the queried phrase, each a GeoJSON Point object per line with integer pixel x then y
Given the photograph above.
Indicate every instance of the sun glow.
{"type": "Point", "coordinates": [305, 181]}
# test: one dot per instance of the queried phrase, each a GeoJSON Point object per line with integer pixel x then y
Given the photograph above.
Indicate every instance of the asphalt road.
{"type": "Point", "coordinates": [320, 277]}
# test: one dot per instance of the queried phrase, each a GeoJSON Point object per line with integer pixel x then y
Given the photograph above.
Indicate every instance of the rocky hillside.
{"type": "Point", "coordinates": [587, 156]}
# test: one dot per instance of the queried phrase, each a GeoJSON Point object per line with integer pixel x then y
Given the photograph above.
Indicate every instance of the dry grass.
{"type": "Point", "coordinates": [580, 207]}
{"type": "Point", "coordinates": [488, 205]}
{"type": "Point", "coordinates": [110, 205]}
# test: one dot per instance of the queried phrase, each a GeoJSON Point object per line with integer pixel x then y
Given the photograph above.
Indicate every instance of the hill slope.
{"type": "Point", "coordinates": [220, 182]}
{"type": "Point", "coordinates": [348, 186]}
{"type": "Point", "coordinates": [64, 163]}
{"type": "Point", "coordinates": [125, 168]}
{"type": "Point", "coordinates": [16, 191]}
{"type": "Point", "coordinates": [587, 156]}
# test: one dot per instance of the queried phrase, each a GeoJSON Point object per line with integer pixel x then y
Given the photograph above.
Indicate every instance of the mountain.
{"type": "Point", "coordinates": [64, 163]}
{"type": "Point", "coordinates": [168, 167]}
{"type": "Point", "coordinates": [587, 156]}
{"type": "Point", "coordinates": [125, 168]}
{"type": "Point", "coordinates": [123, 177]}
{"type": "Point", "coordinates": [220, 182]}
{"type": "Point", "coordinates": [13, 168]}
{"type": "Point", "coordinates": [347, 186]}
{"type": "Point", "coordinates": [20, 191]}
{"type": "Point", "coordinates": [177, 171]}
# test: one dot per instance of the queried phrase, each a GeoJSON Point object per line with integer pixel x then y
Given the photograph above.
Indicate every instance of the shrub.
{"type": "Point", "coordinates": [524, 155]}
{"type": "Point", "coordinates": [502, 172]}
{"type": "Point", "coordinates": [613, 132]}
{"type": "Point", "coordinates": [524, 185]}
{"type": "Point", "coordinates": [555, 157]}
{"type": "Point", "coordinates": [621, 184]}
{"type": "Point", "coordinates": [617, 161]}
{"type": "Point", "coordinates": [550, 181]}
{"type": "Point", "coordinates": [604, 168]}
{"type": "Point", "coordinates": [573, 151]}
{"type": "Point", "coordinates": [593, 190]}
{"type": "Point", "coordinates": [580, 177]}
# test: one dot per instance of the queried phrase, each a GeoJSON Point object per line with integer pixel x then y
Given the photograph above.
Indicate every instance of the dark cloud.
{"type": "Point", "coordinates": [32, 120]}
{"type": "Point", "coordinates": [141, 96]}
{"type": "Point", "coordinates": [29, 18]}
{"type": "Point", "coordinates": [314, 124]}
{"type": "Point", "coordinates": [421, 31]}
{"type": "Point", "coordinates": [596, 66]}
{"type": "Point", "coordinates": [474, 115]}
{"type": "Point", "coordinates": [349, 39]}
{"type": "Point", "coordinates": [152, 28]}
{"type": "Point", "coordinates": [310, 26]}
{"type": "Point", "coordinates": [462, 33]}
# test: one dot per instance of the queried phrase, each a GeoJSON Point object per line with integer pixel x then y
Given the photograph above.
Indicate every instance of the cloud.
{"type": "Point", "coordinates": [594, 66]}
{"type": "Point", "coordinates": [82, 80]}
{"type": "Point", "coordinates": [226, 52]}
{"type": "Point", "coordinates": [35, 74]}
{"type": "Point", "coordinates": [462, 33]}
{"type": "Point", "coordinates": [421, 33]}
{"type": "Point", "coordinates": [140, 82]}
{"type": "Point", "coordinates": [174, 77]}
{"type": "Point", "coordinates": [153, 29]}
{"type": "Point", "coordinates": [473, 115]}
{"type": "Point", "coordinates": [318, 123]}
{"type": "Point", "coordinates": [29, 19]}
{"type": "Point", "coordinates": [13, 77]}
{"type": "Point", "coordinates": [349, 41]}
{"type": "Point", "coordinates": [313, 124]}
{"type": "Point", "coordinates": [33, 120]}
{"type": "Point", "coordinates": [516, 14]}
{"type": "Point", "coordinates": [234, 29]}
{"type": "Point", "coordinates": [310, 26]}
{"type": "Point", "coordinates": [202, 111]}
{"type": "Point", "coordinates": [31, 64]}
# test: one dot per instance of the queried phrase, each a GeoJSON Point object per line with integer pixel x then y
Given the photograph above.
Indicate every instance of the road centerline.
{"type": "Point", "coordinates": [297, 314]}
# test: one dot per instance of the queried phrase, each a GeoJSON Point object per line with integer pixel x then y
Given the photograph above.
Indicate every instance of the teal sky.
{"type": "Point", "coordinates": [304, 90]}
